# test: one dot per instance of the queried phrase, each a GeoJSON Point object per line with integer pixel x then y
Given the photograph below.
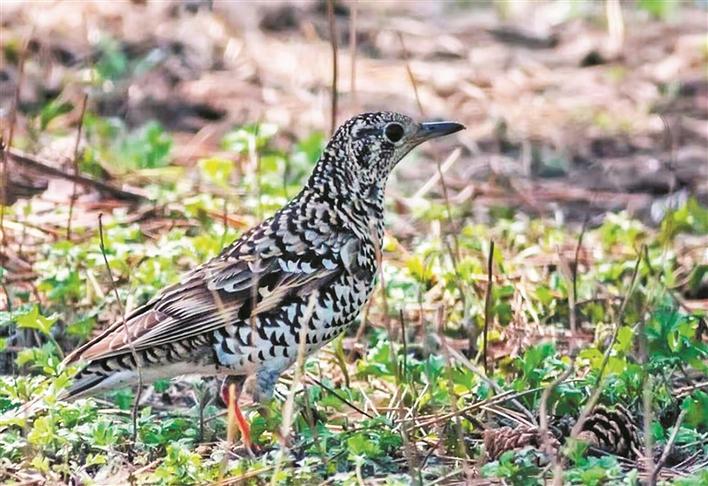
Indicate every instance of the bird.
{"type": "Point", "coordinates": [303, 274]}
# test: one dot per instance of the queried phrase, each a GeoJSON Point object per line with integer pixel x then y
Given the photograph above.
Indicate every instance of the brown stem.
{"type": "Point", "coordinates": [128, 335]}
{"type": "Point", "coordinates": [487, 304]}
{"type": "Point", "coordinates": [333, 43]}
{"type": "Point", "coordinates": [72, 201]}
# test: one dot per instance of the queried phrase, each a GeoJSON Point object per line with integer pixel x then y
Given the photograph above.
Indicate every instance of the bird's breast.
{"type": "Point", "coordinates": [272, 339]}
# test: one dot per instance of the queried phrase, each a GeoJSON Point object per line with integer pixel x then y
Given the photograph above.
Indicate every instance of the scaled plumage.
{"type": "Point", "coordinates": [240, 314]}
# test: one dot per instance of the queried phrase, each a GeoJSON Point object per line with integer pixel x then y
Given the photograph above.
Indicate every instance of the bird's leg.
{"type": "Point", "coordinates": [230, 392]}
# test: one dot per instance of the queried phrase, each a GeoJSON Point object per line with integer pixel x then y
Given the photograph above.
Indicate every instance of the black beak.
{"type": "Point", "coordinates": [430, 130]}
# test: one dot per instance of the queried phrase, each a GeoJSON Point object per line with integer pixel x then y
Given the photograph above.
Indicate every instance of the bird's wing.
{"type": "Point", "coordinates": [247, 280]}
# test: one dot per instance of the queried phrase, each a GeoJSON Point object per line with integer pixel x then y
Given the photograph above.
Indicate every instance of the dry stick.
{"type": "Point", "coordinates": [35, 163]}
{"type": "Point", "coordinates": [441, 177]}
{"type": "Point", "coordinates": [615, 26]}
{"type": "Point", "coordinates": [309, 415]}
{"type": "Point", "coordinates": [408, 448]}
{"type": "Point", "coordinates": [225, 222]}
{"type": "Point", "coordinates": [684, 391]}
{"type": "Point", "coordinates": [502, 397]}
{"type": "Point", "coordinates": [255, 159]}
{"type": "Point", "coordinates": [435, 178]}
{"type": "Point", "coordinates": [543, 425]}
{"type": "Point", "coordinates": [647, 384]}
{"type": "Point", "coordinates": [454, 252]}
{"type": "Point", "coordinates": [11, 133]}
{"type": "Point", "coordinates": [241, 479]}
{"type": "Point", "coordinates": [487, 306]}
{"type": "Point", "coordinates": [573, 303]}
{"type": "Point", "coordinates": [404, 340]}
{"type": "Point", "coordinates": [454, 256]}
{"type": "Point", "coordinates": [671, 140]}
{"type": "Point", "coordinates": [231, 391]}
{"type": "Point", "coordinates": [3, 174]}
{"type": "Point", "coordinates": [333, 43]}
{"type": "Point", "coordinates": [409, 71]}
{"type": "Point", "coordinates": [599, 385]}
{"type": "Point", "coordinates": [340, 398]}
{"type": "Point", "coordinates": [297, 378]}
{"type": "Point", "coordinates": [128, 336]}
{"type": "Point", "coordinates": [451, 391]}
{"type": "Point", "coordinates": [379, 262]}
{"type": "Point", "coordinates": [667, 448]}
{"type": "Point", "coordinates": [352, 50]}
{"type": "Point", "coordinates": [492, 384]}
{"type": "Point", "coordinates": [72, 201]}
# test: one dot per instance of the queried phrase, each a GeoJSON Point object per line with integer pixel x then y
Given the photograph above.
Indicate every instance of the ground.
{"type": "Point", "coordinates": [542, 307]}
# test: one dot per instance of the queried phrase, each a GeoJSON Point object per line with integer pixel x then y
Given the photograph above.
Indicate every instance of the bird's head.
{"type": "Point", "coordinates": [365, 149]}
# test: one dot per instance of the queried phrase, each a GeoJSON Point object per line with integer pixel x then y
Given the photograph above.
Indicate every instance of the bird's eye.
{"type": "Point", "coordinates": [393, 132]}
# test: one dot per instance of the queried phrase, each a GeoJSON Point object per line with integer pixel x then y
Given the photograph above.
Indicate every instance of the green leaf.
{"type": "Point", "coordinates": [696, 406]}
{"type": "Point", "coordinates": [660, 9]}
{"type": "Point", "coordinates": [123, 398]}
{"type": "Point", "coordinates": [624, 339]}
{"type": "Point", "coordinates": [81, 328]}
{"type": "Point", "coordinates": [360, 445]}
{"type": "Point", "coordinates": [34, 320]}
{"type": "Point", "coordinates": [242, 139]}
{"type": "Point", "coordinates": [52, 110]}
{"type": "Point", "coordinates": [161, 386]}
{"type": "Point", "coordinates": [216, 170]}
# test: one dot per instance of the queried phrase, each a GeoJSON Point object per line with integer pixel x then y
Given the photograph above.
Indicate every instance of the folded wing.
{"type": "Point", "coordinates": [229, 290]}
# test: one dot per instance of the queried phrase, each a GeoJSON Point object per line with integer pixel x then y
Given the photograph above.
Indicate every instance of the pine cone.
{"type": "Point", "coordinates": [498, 441]}
{"type": "Point", "coordinates": [612, 430]}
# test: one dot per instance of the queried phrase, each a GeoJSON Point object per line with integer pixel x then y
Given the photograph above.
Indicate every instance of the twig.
{"type": "Point", "coordinates": [667, 449]}
{"type": "Point", "coordinates": [128, 336]}
{"type": "Point", "coordinates": [599, 385]}
{"type": "Point", "coordinates": [297, 378]}
{"type": "Point", "coordinates": [509, 396]}
{"type": "Point", "coordinates": [543, 425]}
{"type": "Point", "coordinates": [241, 479]}
{"type": "Point", "coordinates": [443, 479]}
{"type": "Point", "coordinates": [254, 157]}
{"type": "Point", "coordinates": [492, 384]}
{"type": "Point", "coordinates": [573, 300]}
{"type": "Point", "coordinates": [647, 387]}
{"type": "Point", "coordinates": [4, 148]}
{"type": "Point", "coordinates": [404, 338]}
{"type": "Point", "coordinates": [455, 254]}
{"type": "Point", "coordinates": [225, 222]}
{"type": "Point", "coordinates": [45, 168]}
{"type": "Point", "coordinates": [333, 43]}
{"type": "Point", "coordinates": [435, 178]}
{"type": "Point", "coordinates": [72, 201]}
{"type": "Point", "coordinates": [352, 49]}
{"type": "Point", "coordinates": [487, 306]}
{"type": "Point", "coordinates": [378, 254]}
{"type": "Point", "coordinates": [409, 449]}
{"type": "Point", "coordinates": [451, 391]}
{"type": "Point", "coordinates": [340, 398]}
{"type": "Point", "coordinates": [615, 26]}
{"type": "Point", "coordinates": [411, 76]}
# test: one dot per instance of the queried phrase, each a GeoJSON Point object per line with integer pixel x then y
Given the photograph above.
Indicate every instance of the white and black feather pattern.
{"type": "Point", "coordinates": [241, 312]}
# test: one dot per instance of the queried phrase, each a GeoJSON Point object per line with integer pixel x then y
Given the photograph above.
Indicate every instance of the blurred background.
{"type": "Point", "coordinates": [572, 108]}
{"type": "Point", "coordinates": [571, 214]}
